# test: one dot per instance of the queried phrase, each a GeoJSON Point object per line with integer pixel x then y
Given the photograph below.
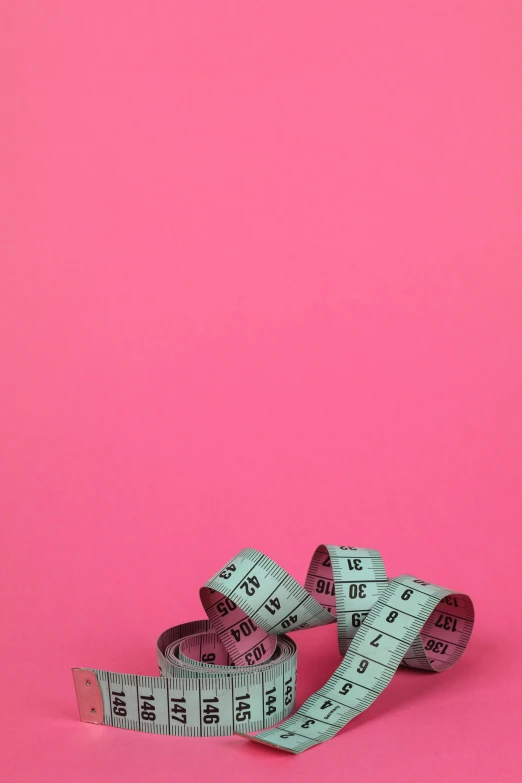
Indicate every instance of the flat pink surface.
{"type": "Point", "coordinates": [261, 285]}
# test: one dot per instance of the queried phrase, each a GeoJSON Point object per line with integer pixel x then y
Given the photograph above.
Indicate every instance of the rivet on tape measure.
{"type": "Point", "coordinates": [235, 673]}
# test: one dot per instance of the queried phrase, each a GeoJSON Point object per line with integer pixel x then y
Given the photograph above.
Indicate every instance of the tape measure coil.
{"type": "Point", "coordinates": [236, 671]}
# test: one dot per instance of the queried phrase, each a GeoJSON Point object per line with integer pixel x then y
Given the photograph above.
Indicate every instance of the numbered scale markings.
{"type": "Point", "coordinates": [235, 672]}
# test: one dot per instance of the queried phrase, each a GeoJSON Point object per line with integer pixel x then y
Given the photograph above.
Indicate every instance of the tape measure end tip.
{"type": "Point", "coordinates": [259, 741]}
{"type": "Point", "coordinates": [89, 696]}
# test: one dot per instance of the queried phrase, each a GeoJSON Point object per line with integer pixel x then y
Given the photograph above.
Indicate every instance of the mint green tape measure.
{"type": "Point", "coordinates": [235, 672]}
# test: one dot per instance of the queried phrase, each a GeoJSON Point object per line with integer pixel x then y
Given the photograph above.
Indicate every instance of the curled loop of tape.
{"type": "Point", "coordinates": [235, 672]}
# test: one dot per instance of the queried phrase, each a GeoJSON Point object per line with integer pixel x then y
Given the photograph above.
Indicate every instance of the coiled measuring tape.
{"type": "Point", "coordinates": [235, 672]}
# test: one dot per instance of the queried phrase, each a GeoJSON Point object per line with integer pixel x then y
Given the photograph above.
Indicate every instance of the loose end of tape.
{"type": "Point", "coordinates": [263, 742]}
{"type": "Point", "coordinates": [88, 693]}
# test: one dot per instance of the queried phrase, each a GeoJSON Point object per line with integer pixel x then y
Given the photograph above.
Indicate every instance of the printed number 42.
{"type": "Point", "coordinates": [250, 585]}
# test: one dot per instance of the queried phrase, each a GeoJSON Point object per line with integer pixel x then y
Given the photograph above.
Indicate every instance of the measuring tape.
{"type": "Point", "coordinates": [235, 673]}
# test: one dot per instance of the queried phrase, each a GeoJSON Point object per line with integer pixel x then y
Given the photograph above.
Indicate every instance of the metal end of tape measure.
{"type": "Point", "coordinates": [88, 693]}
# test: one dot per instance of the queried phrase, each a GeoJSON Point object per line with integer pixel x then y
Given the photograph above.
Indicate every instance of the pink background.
{"type": "Point", "coordinates": [261, 286]}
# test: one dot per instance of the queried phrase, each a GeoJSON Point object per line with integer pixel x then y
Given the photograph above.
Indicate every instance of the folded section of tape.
{"type": "Point", "coordinates": [235, 672]}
